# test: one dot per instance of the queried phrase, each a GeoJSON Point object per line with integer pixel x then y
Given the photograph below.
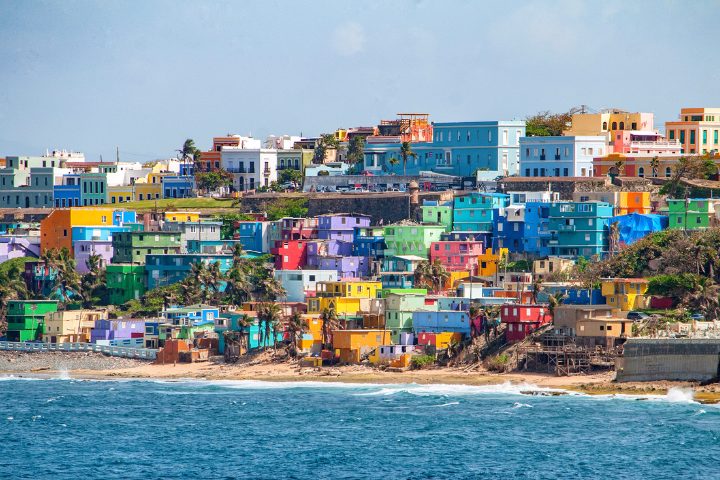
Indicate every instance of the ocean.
{"type": "Point", "coordinates": [82, 429]}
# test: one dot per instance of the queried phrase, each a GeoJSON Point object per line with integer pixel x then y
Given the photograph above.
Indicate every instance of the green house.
{"type": "Point", "coordinates": [399, 308]}
{"type": "Point", "coordinates": [412, 239]}
{"type": "Point", "coordinates": [132, 247]}
{"type": "Point", "coordinates": [689, 214]}
{"type": "Point", "coordinates": [440, 214]}
{"type": "Point", "coordinates": [26, 319]}
{"type": "Point", "coordinates": [125, 282]}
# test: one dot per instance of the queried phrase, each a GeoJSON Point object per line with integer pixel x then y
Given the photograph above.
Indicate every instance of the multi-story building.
{"type": "Point", "coordinates": [369, 242]}
{"type": "Point", "coordinates": [56, 230]}
{"type": "Point", "coordinates": [251, 168]}
{"type": "Point", "coordinates": [521, 320]}
{"type": "Point", "coordinates": [166, 269]}
{"type": "Point", "coordinates": [398, 271]}
{"type": "Point", "coordinates": [84, 249]}
{"type": "Point", "coordinates": [579, 228]}
{"type": "Point", "coordinates": [338, 226]}
{"type": "Point", "coordinates": [254, 235]}
{"type": "Point", "coordinates": [298, 228]}
{"type": "Point", "coordinates": [434, 211]}
{"type": "Point", "coordinates": [509, 228]}
{"type": "Point", "coordinates": [413, 239]}
{"type": "Point", "coordinates": [690, 213]}
{"type": "Point", "coordinates": [486, 149]}
{"type": "Point", "coordinates": [697, 130]}
{"type": "Point", "coordinates": [201, 230]}
{"type": "Point", "coordinates": [125, 282]}
{"type": "Point", "coordinates": [560, 156]}
{"type": "Point", "coordinates": [299, 284]}
{"type": "Point", "coordinates": [69, 326]}
{"type": "Point", "coordinates": [26, 319]}
{"type": "Point", "coordinates": [399, 310]}
{"type": "Point", "coordinates": [626, 293]}
{"type": "Point", "coordinates": [645, 143]}
{"type": "Point", "coordinates": [132, 247]}
{"type": "Point", "coordinates": [212, 159]}
{"type": "Point", "coordinates": [476, 212]}
{"type": "Point", "coordinates": [608, 124]}
{"type": "Point", "coordinates": [290, 254]}
{"type": "Point", "coordinates": [345, 297]}
{"type": "Point", "coordinates": [456, 256]}
{"type": "Point", "coordinates": [319, 249]}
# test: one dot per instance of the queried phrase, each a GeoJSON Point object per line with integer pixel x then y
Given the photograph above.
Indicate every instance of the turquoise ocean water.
{"type": "Point", "coordinates": [71, 429]}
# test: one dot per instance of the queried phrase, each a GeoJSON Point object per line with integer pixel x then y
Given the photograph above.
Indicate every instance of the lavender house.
{"type": "Point", "coordinates": [85, 248]}
{"type": "Point", "coordinates": [340, 226]}
{"type": "Point", "coordinates": [117, 330]}
{"type": "Point", "coordinates": [318, 249]}
{"type": "Point", "coordinates": [346, 267]}
{"type": "Point", "coordinates": [15, 246]}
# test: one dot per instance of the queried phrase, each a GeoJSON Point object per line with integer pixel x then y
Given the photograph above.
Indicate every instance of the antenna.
{"type": "Point", "coordinates": [117, 154]}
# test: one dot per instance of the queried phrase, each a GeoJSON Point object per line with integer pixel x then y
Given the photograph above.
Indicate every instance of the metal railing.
{"type": "Point", "coordinates": [125, 352]}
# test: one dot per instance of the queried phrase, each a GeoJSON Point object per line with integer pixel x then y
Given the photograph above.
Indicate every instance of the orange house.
{"type": "Point", "coordinates": [56, 228]}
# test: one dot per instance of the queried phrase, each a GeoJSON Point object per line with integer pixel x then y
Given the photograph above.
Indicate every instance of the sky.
{"type": "Point", "coordinates": [145, 75]}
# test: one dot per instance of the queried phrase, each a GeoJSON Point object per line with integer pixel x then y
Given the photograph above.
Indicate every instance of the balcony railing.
{"type": "Point", "coordinates": [237, 170]}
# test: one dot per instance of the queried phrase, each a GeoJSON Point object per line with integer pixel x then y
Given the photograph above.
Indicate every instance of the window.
{"type": "Point", "coordinates": [622, 125]}
{"type": "Point", "coordinates": [668, 171]}
{"type": "Point", "coordinates": [692, 137]}
{"type": "Point", "coordinates": [505, 137]}
{"type": "Point", "coordinates": [604, 126]}
{"type": "Point", "coordinates": [671, 134]}
{"type": "Point", "coordinates": [614, 125]}
{"type": "Point", "coordinates": [704, 137]}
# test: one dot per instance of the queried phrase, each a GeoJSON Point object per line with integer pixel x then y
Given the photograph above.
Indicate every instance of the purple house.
{"type": "Point", "coordinates": [117, 329]}
{"type": "Point", "coordinates": [85, 248]}
{"type": "Point", "coordinates": [317, 249]}
{"type": "Point", "coordinates": [340, 226]}
{"type": "Point", "coordinates": [347, 267]}
{"type": "Point", "coordinates": [15, 246]}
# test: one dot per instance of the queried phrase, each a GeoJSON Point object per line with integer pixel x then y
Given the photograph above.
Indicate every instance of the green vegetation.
{"type": "Point", "coordinates": [498, 363]}
{"type": "Point", "coordinates": [688, 168]}
{"type": "Point", "coordinates": [210, 181]}
{"type": "Point", "coordinates": [174, 203]}
{"type": "Point", "coordinates": [287, 207]}
{"type": "Point", "coordinates": [406, 152]}
{"type": "Point", "coordinates": [227, 229]}
{"type": "Point", "coordinates": [432, 275]}
{"type": "Point", "coordinates": [12, 287]}
{"type": "Point", "coordinates": [14, 265]}
{"type": "Point", "coordinates": [327, 141]}
{"type": "Point", "coordinates": [546, 124]}
{"type": "Point", "coordinates": [290, 175]}
{"type": "Point", "coordinates": [519, 266]}
{"type": "Point", "coordinates": [418, 362]}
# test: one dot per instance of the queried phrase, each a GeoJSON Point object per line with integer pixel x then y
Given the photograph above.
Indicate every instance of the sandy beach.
{"type": "Point", "coordinates": [96, 366]}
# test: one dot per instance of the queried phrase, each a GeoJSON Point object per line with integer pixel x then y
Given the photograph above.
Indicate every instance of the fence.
{"type": "Point", "coordinates": [113, 351]}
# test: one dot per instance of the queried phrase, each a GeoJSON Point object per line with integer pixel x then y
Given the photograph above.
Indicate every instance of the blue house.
{"type": "Point", "coordinates": [560, 156]}
{"type": "Point", "coordinates": [167, 269]}
{"type": "Point", "coordinates": [178, 186]}
{"type": "Point", "coordinates": [103, 234]}
{"type": "Point", "coordinates": [579, 228]}
{"type": "Point", "coordinates": [191, 314]}
{"type": "Point", "coordinates": [254, 333]}
{"type": "Point", "coordinates": [476, 212]}
{"type": "Point", "coordinates": [121, 217]}
{"type": "Point", "coordinates": [536, 239]}
{"type": "Point", "coordinates": [253, 236]}
{"type": "Point", "coordinates": [441, 321]}
{"type": "Point", "coordinates": [509, 229]}
{"type": "Point", "coordinates": [369, 242]}
{"type": "Point", "coordinates": [573, 294]}
{"type": "Point", "coordinates": [485, 148]}
{"type": "Point", "coordinates": [67, 194]}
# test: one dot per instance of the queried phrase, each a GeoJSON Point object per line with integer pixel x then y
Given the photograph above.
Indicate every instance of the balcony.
{"type": "Point", "coordinates": [557, 157]}
{"type": "Point", "coordinates": [237, 170]}
{"type": "Point", "coordinates": [566, 228]}
{"type": "Point", "coordinates": [266, 172]}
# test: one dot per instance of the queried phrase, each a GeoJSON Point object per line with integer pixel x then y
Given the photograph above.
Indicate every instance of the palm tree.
{"type": "Point", "coordinates": [536, 288]}
{"type": "Point", "coordinates": [431, 274]}
{"type": "Point", "coordinates": [296, 326]}
{"type": "Point", "coordinates": [92, 282]}
{"type": "Point", "coordinates": [705, 296]}
{"type": "Point", "coordinates": [405, 152]}
{"type": "Point", "coordinates": [210, 280]}
{"type": "Point", "coordinates": [393, 162]}
{"type": "Point", "coordinates": [554, 301]}
{"type": "Point", "coordinates": [67, 279]}
{"type": "Point", "coordinates": [12, 287]}
{"type": "Point", "coordinates": [654, 165]}
{"type": "Point", "coordinates": [269, 314]}
{"type": "Point", "coordinates": [188, 151]}
{"type": "Point", "coordinates": [614, 238]}
{"type": "Point", "coordinates": [330, 322]}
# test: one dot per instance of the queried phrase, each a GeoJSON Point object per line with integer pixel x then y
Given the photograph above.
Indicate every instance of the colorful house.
{"type": "Point", "coordinates": [181, 216]}
{"type": "Point", "coordinates": [488, 261]}
{"type": "Point", "coordinates": [351, 345]}
{"type": "Point", "coordinates": [253, 236]}
{"type": "Point", "coordinates": [133, 247]}
{"type": "Point", "coordinates": [337, 226]}
{"type": "Point", "coordinates": [441, 321]}
{"type": "Point", "coordinates": [537, 236]}
{"type": "Point", "coordinates": [434, 211]}
{"type": "Point", "coordinates": [457, 256]}
{"type": "Point", "coordinates": [399, 308]}
{"type": "Point", "coordinates": [552, 265]}
{"type": "Point", "coordinates": [345, 297]}
{"type": "Point", "coordinates": [26, 319]}
{"type": "Point", "coordinates": [476, 212]}
{"type": "Point", "coordinates": [560, 156]}
{"type": "Point", "coordinates": [521, 320]}
{"type": "Point", "coordinates": [690, 213]}
{"type": "Point", "coordinates": [413, 239]}
{"type": "Point", "coordinates": [369, 242]}
{"type": "Point", "coordinates": [56, 228]}
{"type": "Point", "coordinates": [290, 254]}
{"type": "Point", "coordinates": [69, 326]}
{"type": "Point", "coordinates": [626, 293]}
{"type": "Point", "coordinates": [84, 249]}
{"type": "Point", "coordinates": [106, 331]}
{"type": "Point", "coordinates": [579, 229]}
{"type": "Point", "coordinates": [166, 269]}
{"type": "Point", "coordinates": [299, 284]}
{"type": "Point", "coordinates": [509, 228]}
{"type": "Point", "coordinates": [697, 130]}
{"type": "Point", "coordinates": [125, 282]}
{"type": "Point", "coordinates": [398, 271]}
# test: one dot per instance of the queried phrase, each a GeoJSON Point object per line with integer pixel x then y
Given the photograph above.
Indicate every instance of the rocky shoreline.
{"type": "Point", "coordinates": [25, 362]}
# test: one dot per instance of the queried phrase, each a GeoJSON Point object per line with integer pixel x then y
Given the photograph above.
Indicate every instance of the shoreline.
{"type": "Point", "coordinates": [594, 384]}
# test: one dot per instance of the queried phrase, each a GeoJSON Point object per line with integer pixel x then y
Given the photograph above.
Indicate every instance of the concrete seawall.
{"type": "Point", "coordinates": [646, 360]}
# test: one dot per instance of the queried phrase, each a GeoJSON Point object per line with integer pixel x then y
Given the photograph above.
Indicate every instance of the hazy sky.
{"type": "Point", "coordinates": [145, 75]}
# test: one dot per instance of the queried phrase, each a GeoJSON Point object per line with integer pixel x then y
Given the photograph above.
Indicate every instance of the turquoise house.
{"type": "Point", "coordinates": [476, 212]}
{"type": "Point", "coordinates": [579, 229]}
{"type": "Point", "coordinates": [254, 333]}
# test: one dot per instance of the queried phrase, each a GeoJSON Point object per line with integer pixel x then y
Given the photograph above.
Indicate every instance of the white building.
{"type": "Point", "coordinates": [560, 156]}
{"type": "Point", "coordinates": [297, 283]}
{"type": "Point", "coordinates": [251, 168]}
{"type": "Point", "coordinates": [519, 198]}
{"type": "Point", "coordinates": [283, 142]}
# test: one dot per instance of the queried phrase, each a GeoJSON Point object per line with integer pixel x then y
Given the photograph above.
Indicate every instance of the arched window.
{"type": "Point", "coordinates": [604, 125]}
{"type": "Point", "coordinates": [622, 125]}
{"type": "Point", "coordinates": [614, 125]}
{"type": "Point", "coordinates": [668, 172]}
{"type": "Point", "coordinates": [641, 172]}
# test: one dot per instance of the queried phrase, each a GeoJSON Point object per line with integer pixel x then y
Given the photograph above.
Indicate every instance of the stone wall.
{"type": "Point", "coordinates": [647, 360]}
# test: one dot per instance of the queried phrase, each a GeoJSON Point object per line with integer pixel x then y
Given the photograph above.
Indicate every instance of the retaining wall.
{"type": "Point", "coordinates": [646, 360]}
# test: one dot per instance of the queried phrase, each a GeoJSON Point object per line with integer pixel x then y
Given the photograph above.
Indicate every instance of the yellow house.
{"type": "Point", "coordinates": [454, 279]}
{"type": "Point", "coordinates": [633, 202]}
{"type": "Point", "coordinates": [544, 268]}
{"type": "Point", "coordinates": [182, 216]}
{"type": "Point", "coordinates": [488, 261]}
{"type": "Point", "coordinates": [345, 298]}
{"type": "Point", "coordinates": [148, 191]}
{"type": "Point", "coordinates": [121, 194]}
{"type": "Point", "coordinates": [351, 345]}
{"type": "Point", "coordinates": [625, 293]}
{"type": "Point", "coordinates": [56, 228]}
{"type": "Point", "coordinates": [69, 326]}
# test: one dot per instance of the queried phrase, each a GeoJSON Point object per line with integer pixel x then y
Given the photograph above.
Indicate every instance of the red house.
{"type": "Point", "coordinates": [521, 320]}
{"type": "Point", "coordinates": [290, 254]}
{"type": "Point", "coordinates": [299, 228]}
{"type": "Point", "coordinates": [457, 255]}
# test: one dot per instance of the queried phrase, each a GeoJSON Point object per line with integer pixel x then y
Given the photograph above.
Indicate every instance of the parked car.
{"type": "Point", "coordinates": [355, 190]}
{"type": "Point", "coordinates": [637, 316]}
{"type": "Point", "coordinates": [697, 316]}
{"type": "Point", "coordinates": [342, 188]}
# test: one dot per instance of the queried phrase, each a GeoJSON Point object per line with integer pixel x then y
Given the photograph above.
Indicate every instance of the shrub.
{"type": "Point", "coordinates": [498, 363]}
{"type": "Point", "coordinates": [421, 361]}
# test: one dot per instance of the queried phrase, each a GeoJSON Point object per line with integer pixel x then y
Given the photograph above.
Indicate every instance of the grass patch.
{"type": "Point", "coordinates": [172, 203]}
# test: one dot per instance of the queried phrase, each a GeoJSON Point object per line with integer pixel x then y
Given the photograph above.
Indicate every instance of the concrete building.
{"type": "Point", "coordinates": [251, 168]}
{"type": "Point", "coordinates": [26, 319]}
{"type": "Point", "coordinates": [560, 156]}
{"type": "Point", "coordinates": [69, 326]}
{"type": "Point", "coordinates": [133, 247]}
{"type": "Point", "coordinates": [299, 284]}
{"type": "Point", "coordinates": [697, 130]}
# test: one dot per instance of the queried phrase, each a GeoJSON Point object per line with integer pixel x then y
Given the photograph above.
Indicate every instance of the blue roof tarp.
{"type": "Point", "coordinates": [635, 226]}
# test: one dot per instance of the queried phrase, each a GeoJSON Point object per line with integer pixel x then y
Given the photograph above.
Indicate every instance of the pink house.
{"type": "Point", "coordinates": [457, 255]}
{"type": "Point", "coordinates": [640, 142]}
